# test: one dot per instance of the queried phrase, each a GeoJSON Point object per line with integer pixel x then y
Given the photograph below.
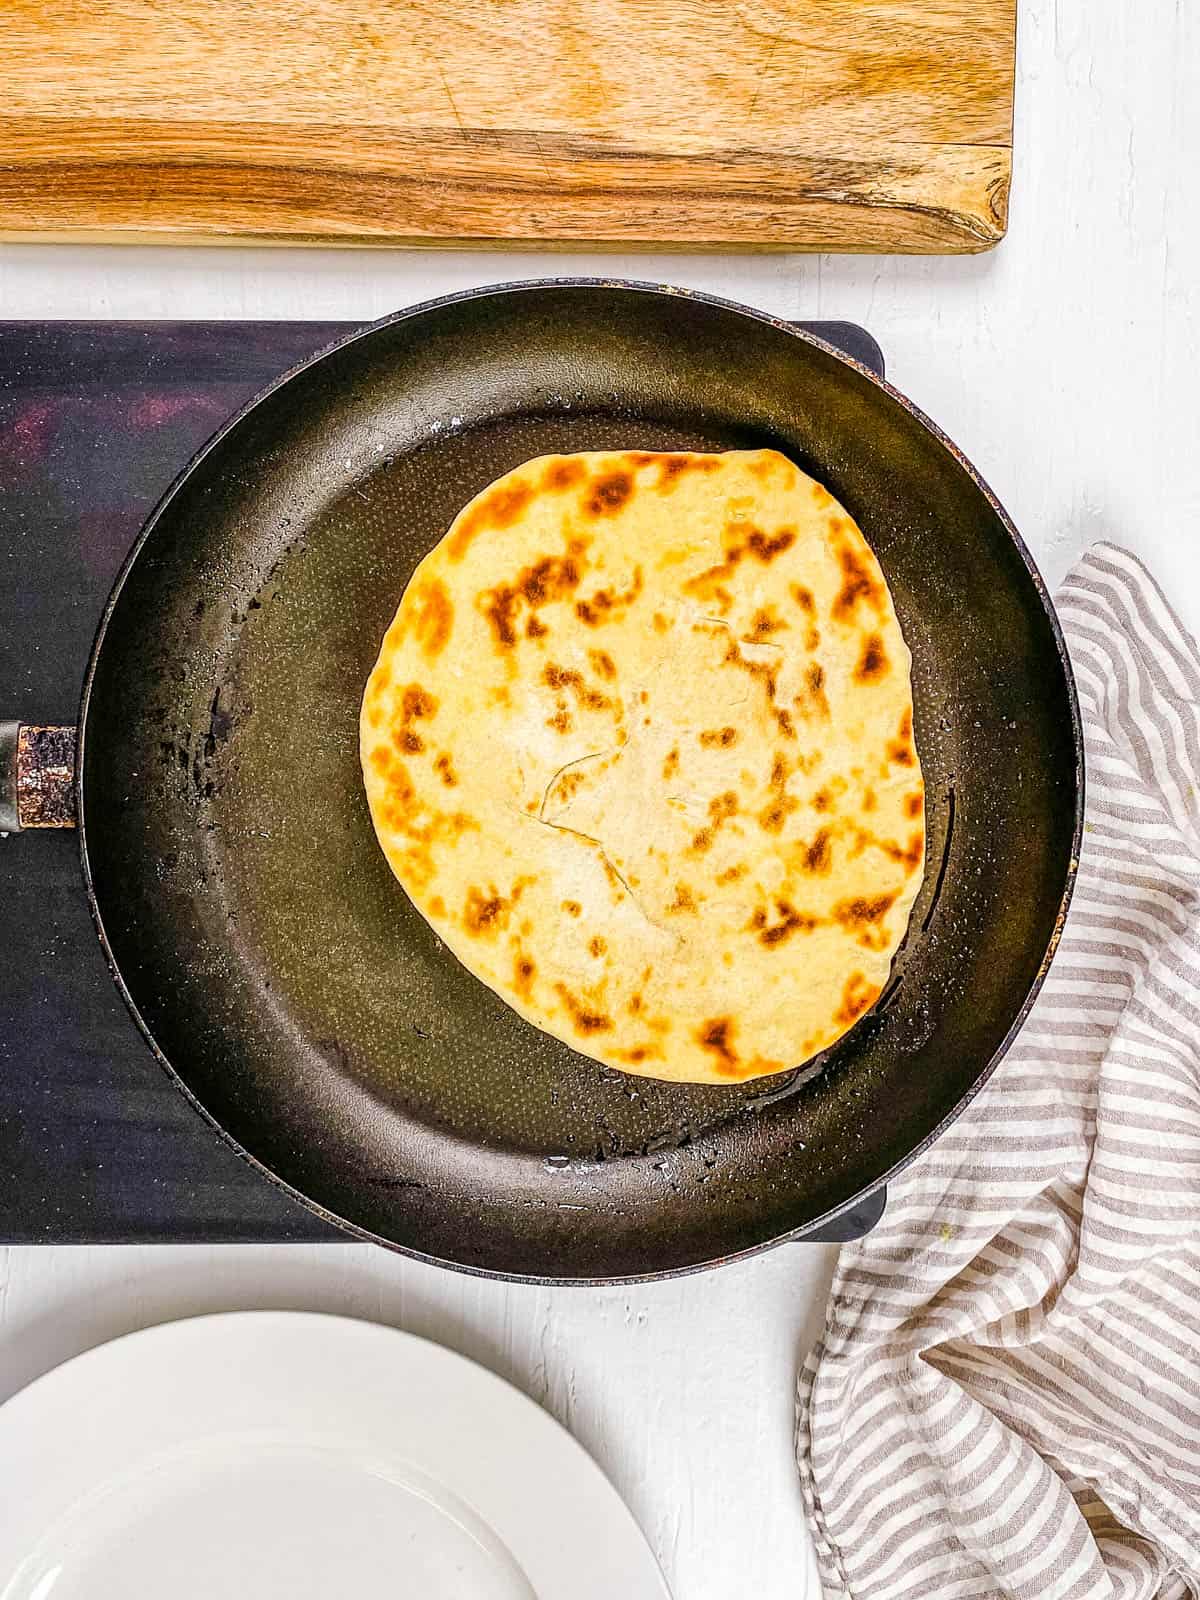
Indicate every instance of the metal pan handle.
{"type": "Point", "coordinates": [37, 776]}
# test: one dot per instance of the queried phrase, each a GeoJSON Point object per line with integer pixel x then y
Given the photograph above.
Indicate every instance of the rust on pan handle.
{"type": "Point", "coordinates": [37, 776]}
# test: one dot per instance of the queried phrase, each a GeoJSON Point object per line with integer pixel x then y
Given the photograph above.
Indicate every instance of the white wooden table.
{"type": "Point", "coordinates": [1065, 365]}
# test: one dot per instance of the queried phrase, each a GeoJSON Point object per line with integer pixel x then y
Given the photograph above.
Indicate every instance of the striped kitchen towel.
{"type": "Point", "coordinates": [1006, 1397]}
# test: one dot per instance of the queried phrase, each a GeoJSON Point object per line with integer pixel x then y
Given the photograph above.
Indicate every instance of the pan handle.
{"type": "Point", "coordinates": [37, 776]}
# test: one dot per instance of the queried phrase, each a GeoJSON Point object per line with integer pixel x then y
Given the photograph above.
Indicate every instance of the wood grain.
{"type": "Point", "coordinates": [822, 124]}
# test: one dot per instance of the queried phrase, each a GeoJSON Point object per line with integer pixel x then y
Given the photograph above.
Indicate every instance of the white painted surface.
{"type": "Point", "coordinates": [1065, 365]}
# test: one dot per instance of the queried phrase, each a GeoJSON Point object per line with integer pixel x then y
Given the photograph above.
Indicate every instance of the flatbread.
{"type": "Point", "coordinates": [639, 746]}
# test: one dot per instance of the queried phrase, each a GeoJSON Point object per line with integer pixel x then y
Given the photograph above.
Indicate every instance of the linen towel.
{"type": "Point", "coordinates": [1006, 1397]}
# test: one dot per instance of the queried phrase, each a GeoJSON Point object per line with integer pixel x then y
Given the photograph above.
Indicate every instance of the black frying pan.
{"type": "Point", "coordinates": [252, 923]}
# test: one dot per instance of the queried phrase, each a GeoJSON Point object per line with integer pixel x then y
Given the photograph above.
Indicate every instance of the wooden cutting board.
{"type": "Point", "coordinates": [791, 124]}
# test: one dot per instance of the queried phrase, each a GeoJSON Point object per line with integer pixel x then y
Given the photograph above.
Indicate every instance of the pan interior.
{"type": "Point", "coordinates": [262, 938]}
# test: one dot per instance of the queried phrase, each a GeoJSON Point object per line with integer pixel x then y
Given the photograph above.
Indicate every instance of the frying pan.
{"type": "Point", "coordinates": [281, 975]}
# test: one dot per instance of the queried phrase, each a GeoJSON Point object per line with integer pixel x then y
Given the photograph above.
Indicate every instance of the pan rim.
{"type": "Point", "coordinates": [351, 1230]}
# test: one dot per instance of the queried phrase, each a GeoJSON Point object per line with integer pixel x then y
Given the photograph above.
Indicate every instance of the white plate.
{"type": "Point", "coordinates": [274, 1454]}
